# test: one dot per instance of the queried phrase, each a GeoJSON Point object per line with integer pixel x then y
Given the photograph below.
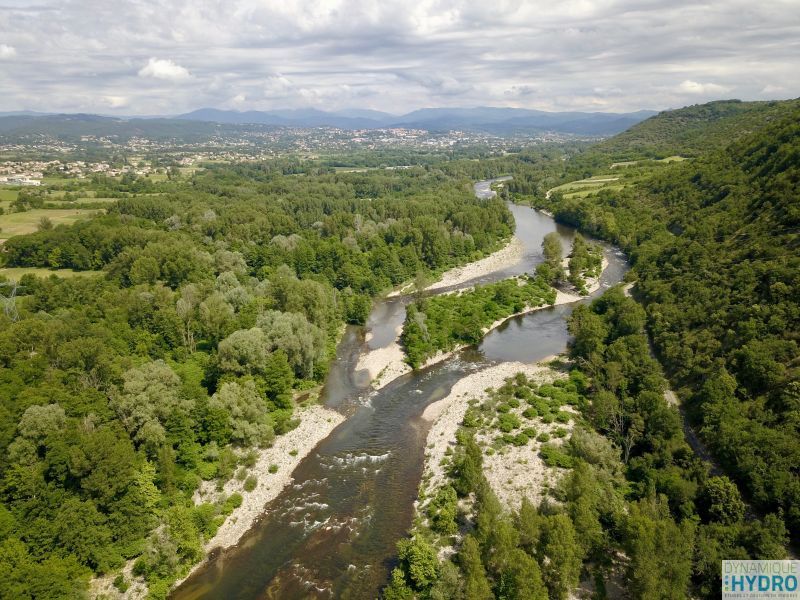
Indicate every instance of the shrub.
{"type": "Point", "coordinates": [563, 416]}
{"type": "Point", "coordinates": [442, 511]}
{"type": "Point", "coordinates": [508, 421]}
{"type": "Point", "coordinates": [121, 583]}
{"type": "Point", "coordinates": [520, 439]}
{"type": "Point", "coordinates": [233, 502]}
{"type": "Point", "coordinates": [555, 457]}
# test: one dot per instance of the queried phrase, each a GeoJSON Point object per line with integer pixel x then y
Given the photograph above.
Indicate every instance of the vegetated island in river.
{"type": "Point", "coordinates": [576, 276]}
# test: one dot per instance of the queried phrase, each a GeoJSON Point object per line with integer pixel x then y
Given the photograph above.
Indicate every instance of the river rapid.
{"type": "Point", "coordinates": [332, 534]}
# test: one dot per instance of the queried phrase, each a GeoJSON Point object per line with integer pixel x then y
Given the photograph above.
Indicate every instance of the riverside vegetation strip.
{"type": "Point", "coordinates": [567, 485]}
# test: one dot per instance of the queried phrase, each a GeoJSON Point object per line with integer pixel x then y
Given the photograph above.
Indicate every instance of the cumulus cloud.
{"type": "Point", "coordinates": [164, 69]}
{"type": "Point", "coordinates": [693, 87]}
{"type": "Point", "coordinates": [773, 89]}
{"type": "Point", "coordinates": [392, 55]}
{"type": "Point", "coordinates": [116, 101]}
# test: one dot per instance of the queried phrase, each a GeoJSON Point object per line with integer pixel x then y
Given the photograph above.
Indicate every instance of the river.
{"type": "Point", "coordinates": [332, 534]}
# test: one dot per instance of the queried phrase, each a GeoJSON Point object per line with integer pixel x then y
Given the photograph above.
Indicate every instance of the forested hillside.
{"type": "Point", "coordinates": [633, 507]}
{"type": "Point", "coordinates": [213, 303]}
{"type": "Point", "coordinates": [690, 131]}
{"type": "Point", "coordinates": [715, 243]}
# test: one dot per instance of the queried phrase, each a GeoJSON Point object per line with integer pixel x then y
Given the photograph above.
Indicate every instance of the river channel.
{"type": "Point", "coordinates": [332, 534]}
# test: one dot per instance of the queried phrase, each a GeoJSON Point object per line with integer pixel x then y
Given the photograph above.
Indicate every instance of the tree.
{"type": "Point", "coordinates": [185, 308]}
{"type": "Point", "coordinates": [476, 584]}
{"type": "Point", "coordinates": [590, 333]}
{"type": "Point", "coordinates": [721, 501]}
{"type": "Point", "coordinates": [150, 397]}
{"type": "Point", "coordinates": [303, 342]}
{"type": "Point", "coordinates": [529, 524]}
{"type": "Point", "coordinates": [552, 269]}
{"type": "Point", "coordinates": [521, 578]}
{"type": "Point", "coordinates": [45, 224]}
{"type": "Point", "coordinates": [466, 469]}
{"type": "Point", "coordinates": [660, 552]}
{"type": "Point", "coordinates": [249, 420]}
{"type": "Point", "coordinates": [27, 579]}
{"type": "Point", "coordinates": [450, 585]}
{"type": "Point", "coordinates": [144, 269]}
{"type": "Point", "coordinates": [216, 315]}
{"type": "Point", "coordinates": [443, 510]}
{"type": "Point", "coordinates": [397, 589]}
{"type": "Point", "coordinates": [244, 352]}
{"type": "Point", "coordinates": [419, 562]}
{"type": "Point", "coordinates": [562, 557]}
{"type": "Point", "coordinates": [278, 379]}
{"type": "Point", "coordinates": [38, 422]}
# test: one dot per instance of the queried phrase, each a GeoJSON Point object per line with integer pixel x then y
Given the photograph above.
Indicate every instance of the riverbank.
{"type": "Point", "coordinates": [384, 365]}
{"type": "Point", "coordinates": [316, 423]}
{"type": "Point", "coordinates": [506, 257]}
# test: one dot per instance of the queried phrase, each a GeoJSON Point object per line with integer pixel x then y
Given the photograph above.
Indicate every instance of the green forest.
{"type": "Point", "coordinates": [714, 244]}
{"type": "Point", "coordinates": [211, 301]}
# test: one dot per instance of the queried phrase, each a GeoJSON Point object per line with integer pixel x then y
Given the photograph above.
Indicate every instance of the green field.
{"type": "Point", "coordinates": [8, 195]}
{"type": "Point", "coordinates": [16, 273]}
{"type": "Point", "coordinates": [20, 223]}
{"type": "Point", "coordinates": [585, 187]}
{"type": "Point", "coordinates": [615, 180]}
{"type": "Point", "coordinates": [93, 200]}
{"type": "Point", "coordinates": [630, 163]}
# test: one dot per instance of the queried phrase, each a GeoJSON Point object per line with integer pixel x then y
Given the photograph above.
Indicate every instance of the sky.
{"type": "Point", "coordinates": [162, 57]}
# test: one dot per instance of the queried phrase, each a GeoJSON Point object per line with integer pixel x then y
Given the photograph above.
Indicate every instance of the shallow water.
{"type": "Point", "coordinates": [333, 533]}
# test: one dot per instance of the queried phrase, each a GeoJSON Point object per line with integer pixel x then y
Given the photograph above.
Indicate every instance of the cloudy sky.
{"type": "Point", "coordinates": [171, 56]}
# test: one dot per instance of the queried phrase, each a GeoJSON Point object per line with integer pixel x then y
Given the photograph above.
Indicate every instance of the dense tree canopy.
{"type": "Point", "coordinates": [714, 245]}
{"type": "Point", "coordinates": [218, 295]}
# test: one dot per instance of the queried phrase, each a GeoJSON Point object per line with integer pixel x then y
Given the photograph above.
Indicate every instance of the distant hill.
{"type": "Point", "coordinates": [204, 122]}
{"type": "Point", "coordinates": [500, 121]}
{"type": "Point", "coordinates": [76, 125]}
{"type": "Point", "coordinates": [352, 119]}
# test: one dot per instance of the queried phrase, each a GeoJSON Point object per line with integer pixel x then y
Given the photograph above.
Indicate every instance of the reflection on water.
{"type": "Point", "coordinates": [333, 532]}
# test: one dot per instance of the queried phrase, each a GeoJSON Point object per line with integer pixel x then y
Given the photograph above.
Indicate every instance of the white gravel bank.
{"type": "Point", "coordinates": [506, 257]}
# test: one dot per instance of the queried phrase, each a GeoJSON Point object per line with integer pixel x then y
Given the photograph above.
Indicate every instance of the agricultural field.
{"type": "Point", "coordinates": [586, 187]}
{"type": "Point", "coordinates": [20, 223]}
{"type": "Point", "coordinates": [16, 273]}
{"type": "Point", "coordinates": [7, 195]}
{"type": "Point", "coordinates": [630, 163]}
{"type": "Point", "coordinates": [621, 175]}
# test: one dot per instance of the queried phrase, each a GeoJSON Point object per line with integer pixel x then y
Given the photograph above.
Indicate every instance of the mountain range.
{"type": "Point", "coordinates": [498, 121]}
{"type": "Point", "coordinates": [485, 119]}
